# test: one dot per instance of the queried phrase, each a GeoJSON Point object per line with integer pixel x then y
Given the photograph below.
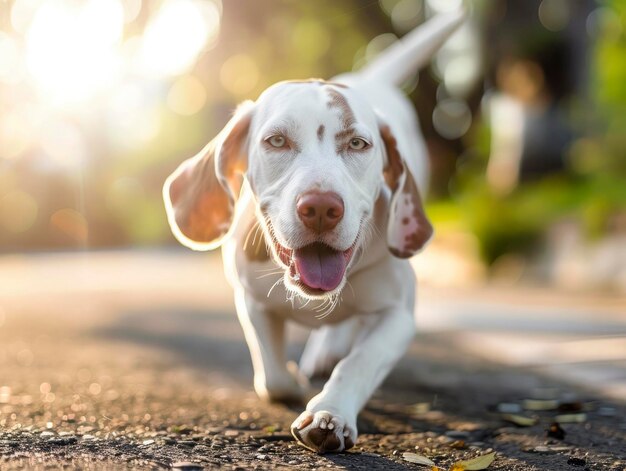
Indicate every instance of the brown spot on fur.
{"type": "Point", "coordinates": [254, 246]}
{"type": "Point", "coordinates": [320, 132]}
{"type": "Point", "coordinates": [337, 100]}
{"type": "Point", "coordinates": [318, 81]}
{"type": "Point", "coordinates": [341, 137]}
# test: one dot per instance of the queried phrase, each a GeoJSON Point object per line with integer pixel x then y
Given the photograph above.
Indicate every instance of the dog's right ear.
{"type": "Point", "coordinates": [200, 195]}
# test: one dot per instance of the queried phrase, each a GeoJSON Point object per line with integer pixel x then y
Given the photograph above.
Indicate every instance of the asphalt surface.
{"type": "Point", "coordinates": [126, 360]}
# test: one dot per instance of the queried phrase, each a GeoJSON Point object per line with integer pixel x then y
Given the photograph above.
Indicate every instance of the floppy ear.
{"type": "Point", "coordinates": [408, 229]}
{"type": "Point", "coordinates": [200, 195]}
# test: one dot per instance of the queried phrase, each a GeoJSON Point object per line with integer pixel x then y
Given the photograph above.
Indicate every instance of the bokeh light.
{"type": "Point", "coordinates": [187, 96]}
{"type": "Point", "coordinates": [312, 38]}
{"type": "Point", "coordinates": [132, 115]}
{"type": "Point", "coordinates": [16, 135]}
{"type": "Point", "coordinates": [406, 15]}
{"type": "Point", "coordinates": [64, 145]}
{"type": "Point", "coordinates": [443, 6]}
{"type": "Point", "coordinates": [132, 8]}
{"type": "Point", "coordinates": [604, 21]}
{"type": "Point", "coordinates": [18, 211]}
{"type": "Point", "coordinates": [71, 48]}
{"type": "Point", "coordinates": [452, 118]}
{"type": "Point", "coordinates": [70, 223]}
{"type": "Point", "coordinates": [177, 34]}
{"type": "Point", "coordinates": [554, 14]}
{"type": "Point", "coordinates": [239, 74]}
{"type": "Point", "coordinates": [10, 63]}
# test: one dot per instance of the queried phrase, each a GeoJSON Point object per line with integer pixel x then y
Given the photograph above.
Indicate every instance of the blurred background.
{"type": "Point", "coordinates": [108, 325]}
{"type": "Point", "coordinates": [524, 111]}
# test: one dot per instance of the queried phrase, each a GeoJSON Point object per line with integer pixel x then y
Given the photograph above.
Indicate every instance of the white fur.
{"type": "Point", "coordinates": [366, 324]}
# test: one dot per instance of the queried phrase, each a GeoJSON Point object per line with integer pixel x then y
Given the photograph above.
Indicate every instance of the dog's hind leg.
{"type": "Point", "coordinates": [265, 336]}
{"type": "Point", "coordinates": [326, 346]}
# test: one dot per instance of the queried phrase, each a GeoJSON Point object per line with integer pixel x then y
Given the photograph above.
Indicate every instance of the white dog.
{"type": "Point", "coordinates": [311, 188]}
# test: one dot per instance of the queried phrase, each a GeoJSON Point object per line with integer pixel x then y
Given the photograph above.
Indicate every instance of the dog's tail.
{"type": "Point", "coordinates": [404, 58]}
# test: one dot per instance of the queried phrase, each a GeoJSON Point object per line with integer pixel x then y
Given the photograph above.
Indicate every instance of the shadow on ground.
{"type": "Point", "coordinates": [436, 402]}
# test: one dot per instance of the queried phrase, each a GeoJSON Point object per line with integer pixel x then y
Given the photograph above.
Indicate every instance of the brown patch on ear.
{"type": "Point", "coordinates": [200, 195]}
{"type": "Point", "coordinates": [408, 228]}
{"type": "Point", "coordinates": [413, 240]}
{"type": "Point", "coordinates": [200, 206]}
{"type": "Point", "coordinates": [254, 244]}
{"type": "Point", "coordinates": [395, 167]}
{"type": "Point", "coordinates": [233, 160]}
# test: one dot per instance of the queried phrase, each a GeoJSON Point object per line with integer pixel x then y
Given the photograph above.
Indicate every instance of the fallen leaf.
{"type": "Point", "coordinates": [541, 404]}
{"type": "Point", "coordinates": [520, 420]}
{"type": "Point", "coordinates": [421, 407]}
{"type": "Point", "coordinates": [571, 418]}
{"type": "Point", "coordinates": [509, 408]}
{"type": "Point", "coordinates": [542, 449]}
{"type": "Point", "coordinates": [458, 444]}
{"type": "Point", "coordinates": [417, 459]}
{"type": "Point", "coordinates": [482, 462]}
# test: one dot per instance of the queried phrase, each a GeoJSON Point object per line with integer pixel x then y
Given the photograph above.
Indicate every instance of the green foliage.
{"type": "Point", "coordinates": [517, 222]}
{"type": "Point", "coordinates": [591, 191]}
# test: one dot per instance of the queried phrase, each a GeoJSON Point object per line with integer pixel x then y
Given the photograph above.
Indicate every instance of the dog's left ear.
{"type": "Point", "coordinates": [200, 195]}
{"type": "Point", "coordinates": [408, 228]}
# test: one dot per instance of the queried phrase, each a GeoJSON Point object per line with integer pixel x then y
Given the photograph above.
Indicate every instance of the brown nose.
{"type": "Point", "coordinates": [320, 211]}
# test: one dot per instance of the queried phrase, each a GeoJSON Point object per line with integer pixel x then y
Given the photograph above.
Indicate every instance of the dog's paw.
{"type": "Point", "coordinates": [324, 432]}
{"type": "Point", "coordinates": [287, 386]}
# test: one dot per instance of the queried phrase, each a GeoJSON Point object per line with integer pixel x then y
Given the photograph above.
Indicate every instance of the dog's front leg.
{"type": "Point", "coordinates": [329, 422]}
{"type": "Point", "coordinates": [265, 336]}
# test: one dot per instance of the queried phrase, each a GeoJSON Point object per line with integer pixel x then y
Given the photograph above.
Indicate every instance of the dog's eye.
{"type": "Point", "coordinates": [277, 141]}
{"type": "Point", "coordinates": [358, 143]}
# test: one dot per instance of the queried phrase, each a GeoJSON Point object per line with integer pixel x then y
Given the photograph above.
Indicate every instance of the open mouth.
{"type": "Point", "coordinates": [316, 268]}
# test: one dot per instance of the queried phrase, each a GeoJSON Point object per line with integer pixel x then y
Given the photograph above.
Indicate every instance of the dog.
{"type": "Point", "coordinates": [313, 193]}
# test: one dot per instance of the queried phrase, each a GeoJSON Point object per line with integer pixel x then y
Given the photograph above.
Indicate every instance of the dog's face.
{"type": "Point", "coordinates": [315, 164]}
{"type": "Point", "coordinates": [316, 157]}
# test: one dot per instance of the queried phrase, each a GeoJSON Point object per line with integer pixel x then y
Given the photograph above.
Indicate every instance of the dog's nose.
{"type": "Point", "coordinates": [320, 211]}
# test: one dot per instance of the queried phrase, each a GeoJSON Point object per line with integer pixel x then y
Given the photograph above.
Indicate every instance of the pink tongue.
{"type": "Point", "coordinates": [319, 266]}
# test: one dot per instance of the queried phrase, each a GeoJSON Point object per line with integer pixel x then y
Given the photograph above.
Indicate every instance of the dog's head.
{"type": "Point", "coordinates": [316, 157]}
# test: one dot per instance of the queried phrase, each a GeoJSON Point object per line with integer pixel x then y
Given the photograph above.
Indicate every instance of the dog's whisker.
{"type": "Point", "coordinates": [349, 285]}
{"type": "Point", "coordinates": [258, 230]}
{"type": "Point", "coordinates": [274, 273]}
{"type": "Point", "coordinates": [320, 306]}
{"type": "Point", "coordinates": [249, 233]}
{"type": "Point", "coordinates": [333, 301]}
{"type": "Point", "coordinates": [274, 286]}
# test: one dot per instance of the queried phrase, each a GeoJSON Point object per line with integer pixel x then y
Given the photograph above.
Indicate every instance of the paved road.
{"type": "Point", "coordinates": [135, 359]}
